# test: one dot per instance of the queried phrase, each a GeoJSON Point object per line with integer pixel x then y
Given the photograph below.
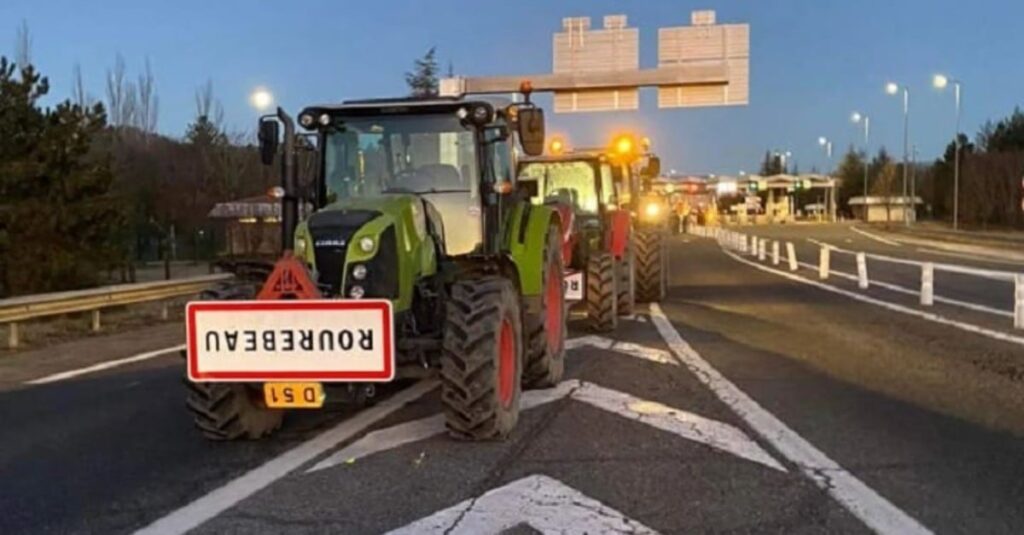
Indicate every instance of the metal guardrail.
{"type": "Point", "coordinates": [758, 247]}
{"type": "Point", "coordinates": [24, 308]}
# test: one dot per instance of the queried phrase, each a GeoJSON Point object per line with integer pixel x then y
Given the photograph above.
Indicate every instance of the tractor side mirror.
{"type": "Point", "coordinates": [531, 130]}
{"type": "Point", "coordinates": [268, 137]}
{"type": "Point", "coordinates": [653, 168]}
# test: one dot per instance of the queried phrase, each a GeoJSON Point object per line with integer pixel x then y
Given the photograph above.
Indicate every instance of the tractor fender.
{"type": "Point", "coordinates": [526, 242]}
{"type": "Point", "coordinates": [619, 223]}
{"type": "Point", "coordinates": [567, 219]}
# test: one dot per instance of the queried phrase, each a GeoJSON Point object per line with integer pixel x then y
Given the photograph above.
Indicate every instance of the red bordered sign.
{"type": "Point", "coordinates": [316, 340]}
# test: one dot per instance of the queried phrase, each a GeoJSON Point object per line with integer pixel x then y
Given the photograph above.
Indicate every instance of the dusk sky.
{"type": "Point", "coordinates": [813, 62]}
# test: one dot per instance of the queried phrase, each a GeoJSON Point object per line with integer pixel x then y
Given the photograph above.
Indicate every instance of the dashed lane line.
{"type": "Point", "coordinates": [862, 501]}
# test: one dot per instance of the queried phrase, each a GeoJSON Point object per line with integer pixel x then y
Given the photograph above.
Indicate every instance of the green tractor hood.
{"type": "Point", "coordinates": [385, 235]}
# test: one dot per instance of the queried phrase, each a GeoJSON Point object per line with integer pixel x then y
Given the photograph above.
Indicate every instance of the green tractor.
{"type": "Point", "coordinates": [598, 251]}
{"type": "Point", "coordinates": [419, 256]}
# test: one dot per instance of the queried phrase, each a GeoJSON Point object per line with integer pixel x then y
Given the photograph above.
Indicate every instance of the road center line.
{"type": "Point", "coordinates": [199, 511]}
{"type": "Point", "coordinates": [875, 237]}
{"type": "Point", "coordinates": [862, 501]}
{"type": "Point", "coordinates": [990, 333]}
{"type": "Point", "coordinates": [104, 365]}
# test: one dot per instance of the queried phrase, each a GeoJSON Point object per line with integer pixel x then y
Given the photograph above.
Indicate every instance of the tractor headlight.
{"type": "Point", "coordinates": [356, 292]}
{"type": "Point", "coordinates": [324, 119]}
{"type": "Point", "coordinates": [359, 272]}
{"type": "Point", "coordinates": [652, 210]}
{"type": "Point", "coordinates": [306, 120]}
{"type": "Point", "coordinates": [367, 244]}
{"type": "Point", "coordinates": [300, 247]}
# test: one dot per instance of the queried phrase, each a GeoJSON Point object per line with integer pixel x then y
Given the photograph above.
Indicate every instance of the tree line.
{"type": "Point", "coordinates": [991, 175]}
{"type": "Point", "coordinates": [88, 188]}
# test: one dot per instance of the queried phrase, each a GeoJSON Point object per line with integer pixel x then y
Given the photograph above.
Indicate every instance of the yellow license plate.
{"type": "Point", "coordinates": [293, 395]}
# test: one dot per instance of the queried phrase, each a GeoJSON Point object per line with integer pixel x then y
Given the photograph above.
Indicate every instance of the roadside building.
{"type": "Point", "coordinates": [885, 209]}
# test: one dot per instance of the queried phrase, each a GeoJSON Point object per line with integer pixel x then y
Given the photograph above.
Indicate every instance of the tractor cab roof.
{"type": "Point", "coordinates": [407, 105]}
{"type": "Point", "coordinates": [578, 155]}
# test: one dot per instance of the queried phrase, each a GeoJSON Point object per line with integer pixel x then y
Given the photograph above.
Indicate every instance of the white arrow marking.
{"type": "Point", "coordinates": [687, 425]}
{"type": "Point", "coordinates": [545, 504]}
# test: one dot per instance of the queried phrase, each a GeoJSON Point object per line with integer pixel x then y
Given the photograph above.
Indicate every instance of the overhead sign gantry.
{"type": "Point", "coordinates": [701, 65]}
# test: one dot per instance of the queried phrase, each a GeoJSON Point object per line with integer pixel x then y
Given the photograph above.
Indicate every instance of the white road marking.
{"type": "Point", "coordinates": [240, 488]}
{"type": "Point", "coordinates": [975, 257]}
{"type": "Point", "coordinates": [863, 502]}
{"type": "Point", "coordinates": [930, 316]}
{"type": "Point", "coordinates": [875, 237]}
{"type": "Point", "coordinates": [104, 366]}
{"type": "Point", "coordinates": [693, 427]}
{"type": "Point", "coordinates": [545, 504]}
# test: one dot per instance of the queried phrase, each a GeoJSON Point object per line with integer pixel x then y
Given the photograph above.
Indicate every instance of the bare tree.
{"type": "Point", "coordinates": [23, 46]}
{"type": "Point", "coordinates": [116, 91]}
{"type": "Point", "coordinates": [208, 106]}
{"type": "Point", "coordinates": [78, 94]}
{"type": "Point", "coordinates": [148, 102]}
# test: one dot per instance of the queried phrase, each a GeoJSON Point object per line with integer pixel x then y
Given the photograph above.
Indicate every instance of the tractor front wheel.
{"type": "Point", "coordinates": [231, 411]}
{"type": "Point", "coordinates": [481, 363]}
{"type": "Point", "coordinates": [602, 294]}
{"type": "Point", "coordinates": [545, 358]}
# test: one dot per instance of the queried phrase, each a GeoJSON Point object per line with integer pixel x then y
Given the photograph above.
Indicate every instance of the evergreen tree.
{"type": "Point", "coordinates": [422, 80]}
{"type": "Point", "coordinates": [58, 218]}
{"type": "Point", "coordinates": [850, 174]}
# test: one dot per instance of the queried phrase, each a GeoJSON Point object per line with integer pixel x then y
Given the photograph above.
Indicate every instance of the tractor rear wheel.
{"type": "Point", "coordinates": [230, 411]}
{"type": "Point", "coordinates": [482, 359]}
{"type": "Point", "coordinates": [545, 347]}
{"type": "Point", "coordinates": [602, 295]}
{"type": "Point", "coordinates": [651, 273]}
{"type": "Point", "coordinates": [627, 282]}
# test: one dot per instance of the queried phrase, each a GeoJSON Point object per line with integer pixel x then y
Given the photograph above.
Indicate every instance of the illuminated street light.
{"type": "Point", "coordinates": [892, 88]}
{"type": "Point", "coordinates": [940, 81]}
{"type": "Point", "coordinates": [261, 99]}
{"type": "Point", "coordinates": [857, 118]}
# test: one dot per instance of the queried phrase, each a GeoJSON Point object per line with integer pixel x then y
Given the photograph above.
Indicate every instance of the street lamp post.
{"type": "Point", "coordinates": [892, 88]}
{"type": "Point", "coordinates": [940, 82]}
{"type": "Point", "coordinates": [866, 121]}
{"type": "Point", "coordinates": [831, 199]}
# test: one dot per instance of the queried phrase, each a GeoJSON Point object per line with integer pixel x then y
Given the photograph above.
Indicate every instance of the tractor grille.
{"type": "Point", "coordinates": [331, 232]}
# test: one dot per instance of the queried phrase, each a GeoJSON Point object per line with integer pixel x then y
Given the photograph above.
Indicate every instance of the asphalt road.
{"type": "Point", "coordinates": [748, 402]}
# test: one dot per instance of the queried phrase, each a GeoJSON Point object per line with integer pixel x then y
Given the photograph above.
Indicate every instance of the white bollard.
{"type": "Point", "coordinates": [823, 261]}
{"type": "Point", "coordinates": [762, 244]}
{"type": "Point", "coordinates": [862, 271]}
{"type": "Point", "coordinates": [775, 253]}
{"type": "Point", "coordinates": [1018, 306]}
{"type": "Point", "coordinates": [753, 245]}
{"type": "Point", "coordinates": [791, 254]}
{"type": "Point", "coordinates": [927, 284]}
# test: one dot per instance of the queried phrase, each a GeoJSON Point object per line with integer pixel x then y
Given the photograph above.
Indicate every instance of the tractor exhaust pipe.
{"type": "Point", "coordinates": [290, 200]}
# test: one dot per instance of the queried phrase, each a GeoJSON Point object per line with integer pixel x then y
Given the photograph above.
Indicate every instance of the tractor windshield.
{"type": "Point", "coordinates": [571, 182]}
{"type": "Point", "coordinates": [369, 156]}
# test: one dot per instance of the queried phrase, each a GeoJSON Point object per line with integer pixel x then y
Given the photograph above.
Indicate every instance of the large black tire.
{"type": "Point", "coordinates": [601, 293]}
{"type": "Point", "coordinates": [230, 411]}
{"type": "Point", "coordinates": [651, 269]}
{"type": "Point", "coordinates": [627, 282]}
{"type": "Point", "coordinates": [546, 330]}
{"type": "Point", "coordinates": [480, 371]}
